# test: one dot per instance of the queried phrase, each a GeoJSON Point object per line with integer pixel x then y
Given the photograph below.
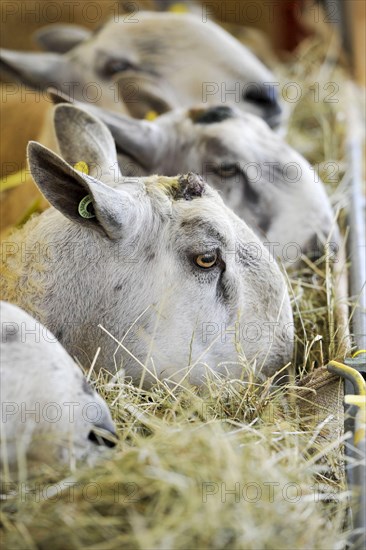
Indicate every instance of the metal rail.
{"type": "Point", "coordinates": [354, 372]}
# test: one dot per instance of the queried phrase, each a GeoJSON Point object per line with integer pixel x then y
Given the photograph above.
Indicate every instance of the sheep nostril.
{"type": "Point", "coordinates": [317, 248]}
{"type": "Point", "coordinates": [103, 437]}
{"type": "Point", "coordinates": [266, 99]}
{"type": "Point", "coordinates": [313, 249]}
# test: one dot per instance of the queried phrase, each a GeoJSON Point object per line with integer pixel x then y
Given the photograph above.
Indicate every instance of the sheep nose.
{"type": "Point", "coordinates": [265, 97]}
{"type": "Point", "coordinates": [315, 248]}
{"type": "Point", "coordinates": [103, 434]}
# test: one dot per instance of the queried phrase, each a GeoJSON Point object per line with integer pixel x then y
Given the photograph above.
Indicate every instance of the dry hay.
{"type": "Point", "coordinates": [236, 465]}
{"type": "Point", "coordinates": [230, 469]}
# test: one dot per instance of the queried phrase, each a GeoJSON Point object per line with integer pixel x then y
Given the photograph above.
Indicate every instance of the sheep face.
{"type": "Point", "coordinates": [49, 412]}
{"type": "Point", "coordinates": [264, 180]}
{"type": "Point", "coordinates": [163, 61]}
{"type": "Point", "coordinates": [180, 283]}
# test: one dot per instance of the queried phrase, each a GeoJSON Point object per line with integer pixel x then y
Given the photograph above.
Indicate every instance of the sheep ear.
{"type": "Point", "coordinates": [79, 197]}
{"type": "Point", "coordinates": [141, 140]}
{"type": "Point", "coordinates": [60, 38]}
{"type": "Point", "coordinates": [34, 69]}
{"type": "Point", "coordinates": [84, 138]}
{"type": "Point", "coordinates": [57, 97]}
{"type": "Point", "coordinates": [143, 93]}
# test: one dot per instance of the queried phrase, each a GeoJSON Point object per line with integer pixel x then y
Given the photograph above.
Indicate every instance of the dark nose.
{"type": "Point", "coordinates": [103, 434]}
{"type": "Point", "coordinates": [266, 99]}
{"type": "Point", "coordinates": [316, 248]}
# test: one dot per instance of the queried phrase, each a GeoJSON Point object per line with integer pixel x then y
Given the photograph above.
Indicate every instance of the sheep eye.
{"type": "Point", "coordinates": [228, 170]}
{"type": "Point", "coordinates": [114, 66]}
{"type": "Point", "coordinates": [206, 261]}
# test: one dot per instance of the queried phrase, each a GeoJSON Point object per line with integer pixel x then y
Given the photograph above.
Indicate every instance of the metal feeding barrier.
{"type": "Point", "coordinates": [353, 371]}
{"type": "Point", "coordinates": [354, 374]}
{"type": "Point", "coordinates": [340, 388]}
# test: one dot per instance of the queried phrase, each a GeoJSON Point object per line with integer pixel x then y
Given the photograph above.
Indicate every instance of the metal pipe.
{"type": "Point", "coordinates": [357, 232]}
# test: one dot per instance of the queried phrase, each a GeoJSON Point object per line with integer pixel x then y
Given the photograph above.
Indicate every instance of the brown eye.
{"type": "Point", "coordinates": [206, 260]}
{"type": "Point", "coordinates": [228, 170]}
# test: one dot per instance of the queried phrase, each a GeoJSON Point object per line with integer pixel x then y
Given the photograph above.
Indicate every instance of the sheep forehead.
{"type": "Point", "coordinates": [236, 130]}
{"type": "Point", "coordinates": [186, 186]}
{"type": "Point", "coordinates": [159, 24]}
{"type": "Point", "coordinates": [202, 213]}
{"type": "Point", "coordinates": [181, 187]}
{"type": "Point", "coordinates": [209, 221]}
{"type": "Point", "coordinates": [199, 125]}
{"type": "Point", "coordinates": [187, 201]}
{"type": "Point", "coordinates": [246, 129]}
{"type": "Point", "coordinates": [196, 232]}
{"type": "Point", "coordinates": [163, 36]}
{"type": "Point", "coordinates": [242, 138]}
{"type": "Point", "coordinates": [152, 29]}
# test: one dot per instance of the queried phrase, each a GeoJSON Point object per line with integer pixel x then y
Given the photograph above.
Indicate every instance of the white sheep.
{"type": "Point", "coordinates": [262, 178]}
{"type": "Point", "coordinates": [179, 282]}
{"type": "Point", "coordinates": [163, 61]}
{"type": "Point", "coordinates": [49, 412]}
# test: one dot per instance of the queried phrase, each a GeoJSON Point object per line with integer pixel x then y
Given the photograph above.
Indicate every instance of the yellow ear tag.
{"type": "Point", "coordinates": [178, 8]}
{"type": "Point", "coordinates": [81, 166]}
{"type": "Point", "coordinates": [83, 208]}
{"type": "Point", "coordinates": [151, 115]}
